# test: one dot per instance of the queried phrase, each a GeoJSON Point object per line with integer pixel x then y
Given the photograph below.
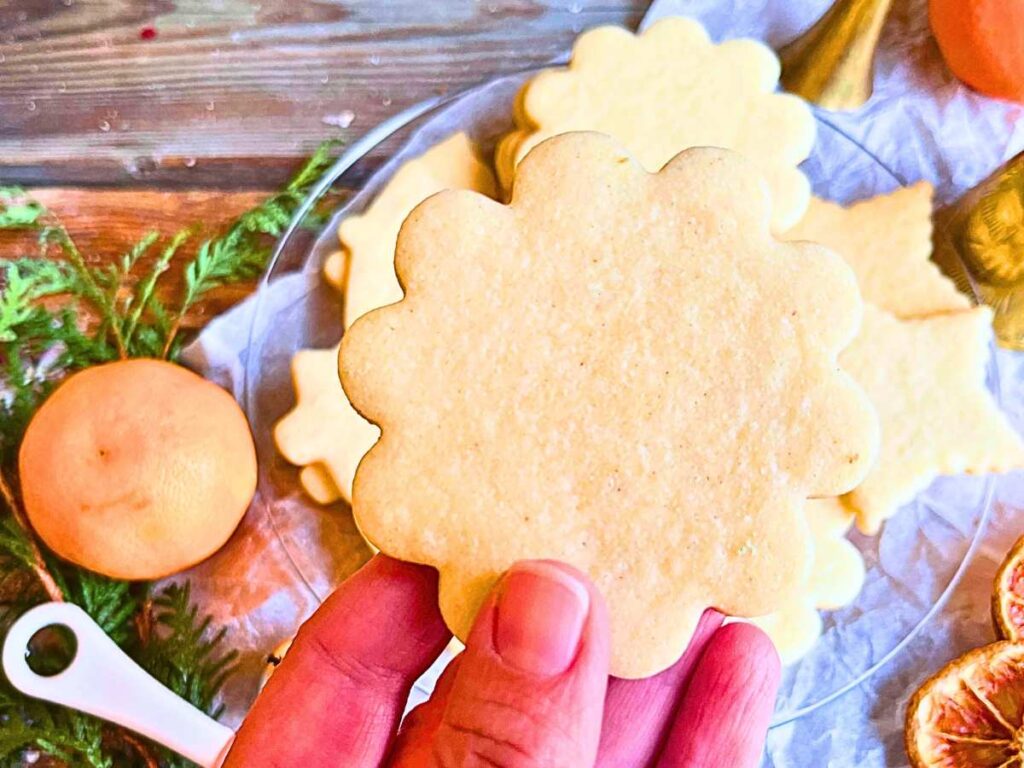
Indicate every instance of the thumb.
{"type": "Point", "coordinates": [530, 687]}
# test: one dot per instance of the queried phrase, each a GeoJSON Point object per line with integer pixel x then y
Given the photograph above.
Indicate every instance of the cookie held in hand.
{"type": "Point", "coordinates": [369, 238]}
{"type": "Point", "coordinates": [837, 574]}
{"type": "Point", "coordinates": [620, 370]}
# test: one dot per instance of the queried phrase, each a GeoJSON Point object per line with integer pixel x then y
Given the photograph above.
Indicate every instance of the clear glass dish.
{"type": "Point", "coordinates": [295, 309]}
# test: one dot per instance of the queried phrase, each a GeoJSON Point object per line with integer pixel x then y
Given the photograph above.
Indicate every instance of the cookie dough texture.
{"type": "Point", "coordinates": [620, 370]}
{"type": "Point", "coordinates": [926, 378]}
{"type": "Point", "coordinates": [668, 89]}
{"type": "Point", "coordinates": [887, 240]}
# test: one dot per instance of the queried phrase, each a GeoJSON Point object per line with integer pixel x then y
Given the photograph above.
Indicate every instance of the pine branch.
{"type": "Point", "coordinates": [112, 604]}
{"type": "Point", "coordinates": [243, 251]}
{"type": "Point", "coordinates": [90, 283]}
{"type": "Point", "coordinates": [182, 653]}
{"type": "Point", "coordinates": [31, 724]}
{"type": "Point", "coordinates": [29, 552]}
{"type": "Point", "coordinates": [17, 210]}
{"type": "Point", "coordinates": [144, 294]}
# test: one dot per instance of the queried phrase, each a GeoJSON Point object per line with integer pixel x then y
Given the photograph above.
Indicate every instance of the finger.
{"type": "Point", "coordinates": [414, 745]}
{"type": "Point", "coordinates": [638, 713]}
{"type": "Point", "coordinates": [530, 686]}
{"type": "Point", "coordinates": [726, 710]}
{"type": "Point", "coordinates": [337, 697]}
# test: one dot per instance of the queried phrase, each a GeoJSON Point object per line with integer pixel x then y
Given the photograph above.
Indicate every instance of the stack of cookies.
{"type": "Point", "coordinates": [659, 360]}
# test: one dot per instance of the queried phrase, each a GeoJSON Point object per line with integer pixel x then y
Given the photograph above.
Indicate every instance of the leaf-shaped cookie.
{"type": "Point", "coordinates": [620, 370]}
{"type": "Point", "coordinates": [888, 241]}
{"type": "Point", "coordinates": [666, 90]}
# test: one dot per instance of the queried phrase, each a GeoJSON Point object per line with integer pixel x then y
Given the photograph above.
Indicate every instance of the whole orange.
{"type": "Point", "coordinates": [983, 43]}
{"type": "Point", "coordinates": [137, 469]}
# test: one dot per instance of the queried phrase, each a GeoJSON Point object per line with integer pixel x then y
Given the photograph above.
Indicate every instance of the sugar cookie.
{"type": "Point", "coordinates": [363, 269]}
{"type": "Point", "coordinates": [837, 574]}
{"type": "Point", "coordinates": [666, 90]}
{"type": "Point", "coordinates": [888, 242]}
{"type": "Point", "coordinates": [544, 391]}
{"type": "Point", "coordinates": [317, 482]}
{"type": "Point", "coordinates": [926, 377]}
{"type": "Point", "coordinates": [369, 238]}
{"type": "Point", "coordinates": [323, 430]}
{"type": "Point", "coordinates": [335, 266]}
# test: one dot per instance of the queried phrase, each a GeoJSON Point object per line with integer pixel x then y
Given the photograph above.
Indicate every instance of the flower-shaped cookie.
{"type": "Point", "coordinates": [837, 574]}
{"type": "Point", "coordinates": [323, 432]}
{"type": "Point", "coordinates": [620, 370]}
{"type": "Point", "coordinates": [369, 238]}
{"type": "Point", "coordinates": [666, 90]}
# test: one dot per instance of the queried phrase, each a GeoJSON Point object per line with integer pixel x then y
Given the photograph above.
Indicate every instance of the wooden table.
{"type": "Point", "coordinates": [128, 116]}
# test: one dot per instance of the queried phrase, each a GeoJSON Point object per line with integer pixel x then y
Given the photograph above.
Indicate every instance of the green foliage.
{"type": "Point", "coordinates": [30, 725]}
{"type": "Point", "coordinates": [17, 210]}
{"type": "Point", "coordinates": [39, 347]}
{"type": "Point", "coordinates": [182, 653]}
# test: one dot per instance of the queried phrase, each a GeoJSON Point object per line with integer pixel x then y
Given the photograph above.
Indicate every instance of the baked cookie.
{"type": "Point", "coordinates": [926, 377]}
{"type": "Point", "coordinates": [318, 484]}
{"type": "Point", "coordinates": [369, 238]}
{"type": "Point", "coordinates": [620, 370]}
{"type": "Point", "coordinates": [335, 267]}
{"type": "Point", "coordinates": [666, 90]}
{"type": "Point", "coordinates": [364, 271]}
{"type": "Point", "coordinates": [836, 576]}
{"type": "Point", "coordinates": [888, 241]}
{"type": "Point", "coordinates": [323, 433]}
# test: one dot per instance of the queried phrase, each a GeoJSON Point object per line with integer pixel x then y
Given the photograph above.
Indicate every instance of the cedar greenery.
{"type": "Point", "coordinates": [159, 626]}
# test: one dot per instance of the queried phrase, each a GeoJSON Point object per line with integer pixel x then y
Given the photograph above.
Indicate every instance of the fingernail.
{"type": "Point", "coordinates": [540, 616]}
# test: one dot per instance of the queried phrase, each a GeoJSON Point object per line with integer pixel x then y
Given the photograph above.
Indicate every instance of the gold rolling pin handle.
{"type": "Point", "coordinates": [982, 235]}
{"type": "Point", "coordinates": [832, 63]}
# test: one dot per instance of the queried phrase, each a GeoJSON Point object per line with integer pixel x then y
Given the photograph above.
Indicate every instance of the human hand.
{"type": "Point", "coordinates": [530, 691]}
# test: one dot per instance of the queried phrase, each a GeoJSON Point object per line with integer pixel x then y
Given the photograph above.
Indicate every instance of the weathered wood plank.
{"type": "Point", "coordinates": [106, 222]}
{"type": "Point", "coordinates": [231, 92]}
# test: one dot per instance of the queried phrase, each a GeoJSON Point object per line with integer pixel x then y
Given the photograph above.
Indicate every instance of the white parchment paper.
{"type": "Point", "coordinates": [921, 123]}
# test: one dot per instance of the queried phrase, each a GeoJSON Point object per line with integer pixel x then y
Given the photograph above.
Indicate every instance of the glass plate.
{"type": "Point", "coordinates": [295, 309]}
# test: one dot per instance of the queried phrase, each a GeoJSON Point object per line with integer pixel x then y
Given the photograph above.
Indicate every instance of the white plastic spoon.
{"type": "Point", "coordinates": [103, 681]}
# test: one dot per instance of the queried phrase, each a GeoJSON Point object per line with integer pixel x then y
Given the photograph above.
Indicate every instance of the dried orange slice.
{"type": "Point", "coordinates": [970, 714]}
{"type": "Point", "coordinates": [1008, 597]}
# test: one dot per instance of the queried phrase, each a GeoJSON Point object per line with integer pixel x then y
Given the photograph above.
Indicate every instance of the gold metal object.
{"type": "Point", "coordinates": [832, 63]}
{"type": "Point", "coordinates": [983, 233]}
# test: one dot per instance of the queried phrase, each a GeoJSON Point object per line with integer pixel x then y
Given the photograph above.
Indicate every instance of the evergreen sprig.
{"type": "Point", "coordinates": [39, 346]}
{"type": "Point", "coordinates": [182, 653]}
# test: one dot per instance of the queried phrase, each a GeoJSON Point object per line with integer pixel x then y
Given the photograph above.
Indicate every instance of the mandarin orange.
{"type": "Point", "coordinates": [983, 43]}
{"type": "Point", "coordinates": [137, 469]}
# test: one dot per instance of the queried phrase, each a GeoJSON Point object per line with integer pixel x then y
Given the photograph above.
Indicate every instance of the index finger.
{"type": "Point", "coordinates": [337, 697]}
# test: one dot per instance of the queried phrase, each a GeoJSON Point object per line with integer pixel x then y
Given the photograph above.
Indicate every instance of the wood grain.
{"type": "Point", "coordinates": [106, 222]}
{"type": "Point", "coordinates": [230, 93]}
